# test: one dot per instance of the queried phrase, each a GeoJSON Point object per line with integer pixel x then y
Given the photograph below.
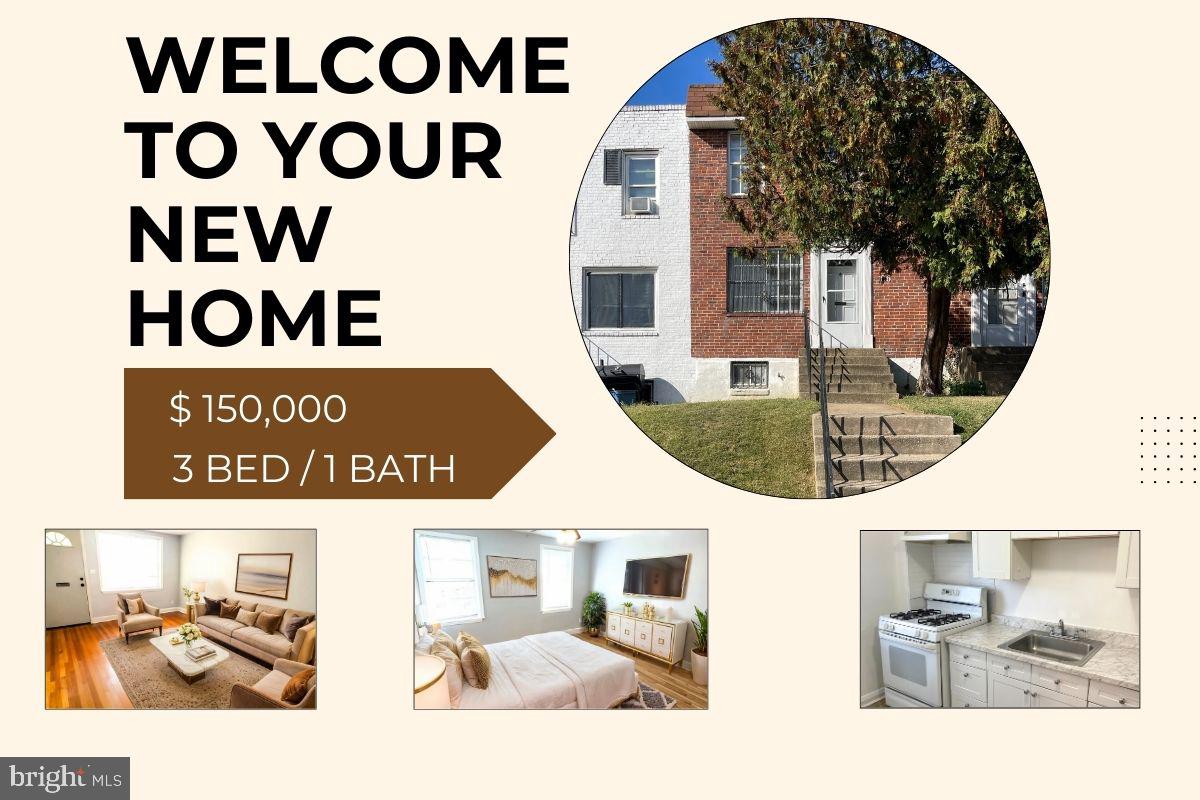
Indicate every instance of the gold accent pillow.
{"type": "Point", "coordinates": [448, 640]}
{"type": "Point", "coordinates": [295, 689]}
{"type": "Point", "coordinates": [246, 617]}
{"type": "Point", "coordinates": [476, 662]}
{"type": "Point", "coordinates": [136, 606]}
{"type": "Point", "coordinates": [268, 623]}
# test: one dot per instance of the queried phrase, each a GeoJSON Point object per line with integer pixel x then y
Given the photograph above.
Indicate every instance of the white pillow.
{"type": "Point", "coordinates": [425, 643]}
{"type": "Point", "coordinates": [454, 673]}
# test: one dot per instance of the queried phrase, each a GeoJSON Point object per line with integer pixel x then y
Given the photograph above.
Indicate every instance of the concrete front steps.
{"type": "Point", "coordinates": [874, 449]}
{"type": "Point", "coordinates": [998, 367]}
{"type": "Point", "coordinates": [860, 375]}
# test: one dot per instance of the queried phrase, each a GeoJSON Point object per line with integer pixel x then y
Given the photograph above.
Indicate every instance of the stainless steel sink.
{"type": "Point", "coordinates": [1067, 649]}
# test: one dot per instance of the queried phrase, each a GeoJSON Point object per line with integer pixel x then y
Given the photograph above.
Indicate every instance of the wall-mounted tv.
{"type": "Point", "coordinates": [662, 576]}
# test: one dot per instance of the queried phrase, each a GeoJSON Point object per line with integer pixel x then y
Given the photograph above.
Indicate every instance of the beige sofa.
{"type": "Point", "coordinates": [149, 620]}
{"type": "Point", "coordinates": [257, 642]}
{"type": "Point", "coordinates": [267, 692]}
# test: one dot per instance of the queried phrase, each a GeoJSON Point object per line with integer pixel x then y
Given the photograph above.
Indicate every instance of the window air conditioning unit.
{"type": "Point", "coordinates": [640, 205]}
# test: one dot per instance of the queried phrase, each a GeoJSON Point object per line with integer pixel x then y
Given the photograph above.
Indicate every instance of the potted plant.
{"type": "Point", "coordinates": [628, 606]}
{"type": "Point", "coordinates": [700, 651]}
{"type": "Point", "coordinates": [594, 609]}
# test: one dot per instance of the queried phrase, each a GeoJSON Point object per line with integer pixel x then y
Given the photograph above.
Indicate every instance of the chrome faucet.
{"type": "Point", "coordinates": [1057, 630]}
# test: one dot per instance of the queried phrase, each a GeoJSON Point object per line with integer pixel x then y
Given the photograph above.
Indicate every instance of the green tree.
{"type": "Point", "coordinates": [856, 136]}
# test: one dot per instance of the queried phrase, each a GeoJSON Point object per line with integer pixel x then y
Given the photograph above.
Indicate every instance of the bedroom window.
{"type": "Point", "coordinates": [129, 562]}
{"type": "Point", "coordinates": [448, 577]}
{"type": "Point", "coordinates": [558, 578]}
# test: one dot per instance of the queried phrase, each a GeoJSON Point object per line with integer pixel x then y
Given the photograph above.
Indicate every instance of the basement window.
{"type": "Point", "coordinates": [620, 299]}
{"type": "Point", "coordinates": [748, 375]}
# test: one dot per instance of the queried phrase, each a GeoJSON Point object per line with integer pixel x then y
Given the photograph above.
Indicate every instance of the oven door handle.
{"type": "Point", "coordinates": [913, 643]}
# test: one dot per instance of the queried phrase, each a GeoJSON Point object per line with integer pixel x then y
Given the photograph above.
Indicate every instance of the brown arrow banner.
{"type": "Point", "coordinates": [324, 433]}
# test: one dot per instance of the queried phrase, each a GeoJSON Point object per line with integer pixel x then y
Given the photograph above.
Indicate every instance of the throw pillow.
{"type": "Point", "coordinates": [454, 671]}
{"type": "Point", "coordinates": [268, 622]}
{"type": "Point", "coordinates": [229, 610]}
{"type": "Point", "coordinates": [425, 644]}
{"type": "Point", "coordinates": [135, 605]}
{"type": "Point", "coordinates": [446, 639]}
{"type": "Point", "coordinates": [476, 663]}
{"type": "Point", "coordinates": [294, 691]}
{"type": "Point", "coordinates": [212, 606]}
{"type": "Point", "coordinates": [294, 625]}
{"type": "Point", "coordinates": [246, 617]}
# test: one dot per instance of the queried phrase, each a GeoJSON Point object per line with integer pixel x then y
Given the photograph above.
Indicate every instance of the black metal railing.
{"type": "Point", "coordinates": [822, 387]}
{"type": "Point", "coordinates": [599, 356]}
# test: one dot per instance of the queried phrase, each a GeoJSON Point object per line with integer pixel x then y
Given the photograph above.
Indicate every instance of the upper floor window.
{"type": "Point", "coordinates": [641, 183]}
{"type": "Point", "coordinates": [770, 283]}
{"type": "Point", "coordinates": [620, 299]}
{"type": "Point", "coordinates": [736, 157]}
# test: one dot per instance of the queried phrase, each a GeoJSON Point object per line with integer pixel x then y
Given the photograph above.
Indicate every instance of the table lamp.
{"type": "Point", "coordinates": [431, 687]}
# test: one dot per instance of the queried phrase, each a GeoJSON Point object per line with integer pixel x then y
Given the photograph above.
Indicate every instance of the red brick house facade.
{"type": "Point", "coordinates": [887, 311]}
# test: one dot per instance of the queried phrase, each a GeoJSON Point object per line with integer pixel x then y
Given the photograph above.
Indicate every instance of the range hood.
{"type": "Point", "coordinates": [937, 536]}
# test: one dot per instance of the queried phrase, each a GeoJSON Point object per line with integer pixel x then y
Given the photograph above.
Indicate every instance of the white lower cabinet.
{"type": "Point", "coordinates": [1107, 695]}
{"type": "Point", "coordinates": [658, 638]}
{"type": "Point", "coordinates": [986, 680]}
{"type": "Point", "coordinates": [1007, 692]}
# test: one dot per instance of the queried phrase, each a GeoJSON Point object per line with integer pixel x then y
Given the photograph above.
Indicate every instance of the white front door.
{"type": "Point", "coordinates": [1007, 314]}
{"type": "Point", "coordinates": [841, 307]}
{"type": "Point", "coordinates": [66, 591]}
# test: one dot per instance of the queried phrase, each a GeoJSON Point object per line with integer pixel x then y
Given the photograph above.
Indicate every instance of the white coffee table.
{"type": "Point", "coordinates": [190, 671]}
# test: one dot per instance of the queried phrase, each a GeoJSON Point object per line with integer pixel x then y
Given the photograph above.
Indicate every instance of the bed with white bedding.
{"type": "Point", "coordinates": [553, 670]}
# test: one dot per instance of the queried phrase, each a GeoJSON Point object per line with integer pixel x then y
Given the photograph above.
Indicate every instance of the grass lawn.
{"type": "Point", "coordinates": [969, 413]}
{"type": "Point", "coordinates": [762, 446]}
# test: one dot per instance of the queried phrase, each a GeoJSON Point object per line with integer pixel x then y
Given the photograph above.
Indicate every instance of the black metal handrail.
{"type": "Point", "coordinates": [823, 389]}
{"type": "Point", "coordinates": [599, 359]}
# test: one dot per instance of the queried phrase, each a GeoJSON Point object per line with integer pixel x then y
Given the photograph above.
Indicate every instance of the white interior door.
{"type": "Point", "coordinates": [1005, 312]}
{"type": "Point", "coordinates": [66, 589]}
{"type": "Point", "coordinates": [841, 307]}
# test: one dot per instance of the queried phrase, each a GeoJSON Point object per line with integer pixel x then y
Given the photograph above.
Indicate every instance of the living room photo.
{"type": "Point", "coordinates": [181, 619]}
{"type": "Point", "coordinates": [560, 619]}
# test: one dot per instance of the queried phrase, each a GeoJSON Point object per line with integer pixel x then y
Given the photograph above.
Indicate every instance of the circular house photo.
{"type": "Point", "coordinates": [809, 258]}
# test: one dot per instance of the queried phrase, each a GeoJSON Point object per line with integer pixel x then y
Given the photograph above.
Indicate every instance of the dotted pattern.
{"type": "Point", "coordinates": [1168, 451]}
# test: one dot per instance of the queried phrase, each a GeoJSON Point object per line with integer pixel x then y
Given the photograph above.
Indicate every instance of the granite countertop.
{"type": "Point", "coordinates": [1117, 662]}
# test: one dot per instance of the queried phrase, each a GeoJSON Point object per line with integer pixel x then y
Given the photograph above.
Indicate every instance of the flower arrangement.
{"type": "Point", "coordinates": [191, 595]}
{"type": "Point", "coordinates": [188, 633]}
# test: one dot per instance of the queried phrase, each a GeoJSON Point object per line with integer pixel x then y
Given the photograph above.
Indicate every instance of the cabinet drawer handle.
{"type": "Point", "coordinates": [1006, 667]}
{"type": "Point", "coordinates": [966, 674]}
{"type": "Point", "coordinates": [1057, 681]}
{"type": "Point", "coordinates": [660, 641]}
{"type": "Point", "coordinates": [1026, 691]}
{"type": "Point", "coordinates": [966, 705]}
{"type": "Point", "coordinates": [1121, 701]}
{"type": "Point", "coordinates": [1033, 694]}
{"type": "Point", "coordinates": [643, 636]}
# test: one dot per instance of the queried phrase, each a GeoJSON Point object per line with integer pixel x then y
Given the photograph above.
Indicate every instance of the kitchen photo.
{"type": "Point", "coordinates": [1000, 619]}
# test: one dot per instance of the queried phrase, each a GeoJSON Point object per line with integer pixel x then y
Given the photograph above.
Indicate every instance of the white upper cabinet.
{"type": "Point", "coordinates": [1129, 560]}
{"type": "Point", "coordinates": [1086, 534]}
{"type": "Point", "coordinates": [995, 554]}
{"type": "Point", "coordinates": [1035, 534]}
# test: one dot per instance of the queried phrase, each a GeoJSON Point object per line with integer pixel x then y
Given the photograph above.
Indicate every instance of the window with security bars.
{"type": "Point", "coordinates": [770, 283]}
{"type": "Point", "coordinates": [748, 375]}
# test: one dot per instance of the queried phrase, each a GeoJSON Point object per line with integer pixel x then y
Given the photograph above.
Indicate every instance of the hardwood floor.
{"type": "Point", "coordinates": [678, 684]}
{"type": "Point", "coordinates": [78, 674]}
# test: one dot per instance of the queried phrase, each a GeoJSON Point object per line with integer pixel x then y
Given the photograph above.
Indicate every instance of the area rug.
{"type": "Point", "coordinates": [150, 681]}
{"type": "Point", "coordinates": [649, 698]}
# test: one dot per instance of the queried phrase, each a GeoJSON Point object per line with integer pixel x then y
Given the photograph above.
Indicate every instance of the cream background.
{"type": "Point", "coordinates": [1101, 98]}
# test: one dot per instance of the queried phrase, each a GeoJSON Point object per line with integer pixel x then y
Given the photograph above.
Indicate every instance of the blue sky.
{"type": "Point", "coordinates": [669, 84]}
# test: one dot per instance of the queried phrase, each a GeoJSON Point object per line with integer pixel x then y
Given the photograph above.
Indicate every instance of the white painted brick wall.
{"type": "Point", "coordinates": [605, 238]}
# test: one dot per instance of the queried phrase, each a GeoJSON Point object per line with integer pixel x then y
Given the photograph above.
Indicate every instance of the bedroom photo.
{"type": "Point", "coordinates": [560, 619]}
{"type": "Point", "coordinates": [181, 619]}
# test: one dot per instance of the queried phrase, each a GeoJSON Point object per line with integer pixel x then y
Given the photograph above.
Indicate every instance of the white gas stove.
{"type": "Point", "coordinates": [912, 644]}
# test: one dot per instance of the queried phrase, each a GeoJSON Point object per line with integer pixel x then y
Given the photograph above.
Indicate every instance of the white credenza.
{"type": "Point", "coordinates": [662, 639]}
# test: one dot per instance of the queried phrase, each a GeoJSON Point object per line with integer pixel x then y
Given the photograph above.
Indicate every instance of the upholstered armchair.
{"type": "Point", "coordinates": [268, 692]}
{"type": "Point", "coordinates": [148, 619]}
